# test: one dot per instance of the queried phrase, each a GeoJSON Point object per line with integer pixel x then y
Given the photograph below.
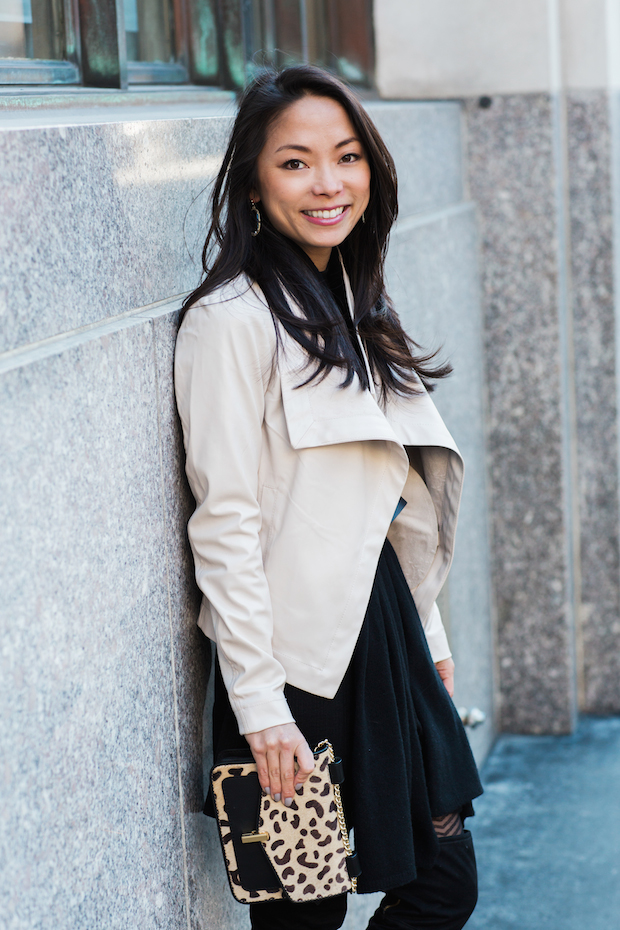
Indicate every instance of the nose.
{"type": "Point", "coordinates": [326, 182]}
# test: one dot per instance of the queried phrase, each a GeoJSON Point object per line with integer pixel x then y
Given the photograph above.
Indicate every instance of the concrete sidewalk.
{"type": "Point", "coordinates": [547, 831]}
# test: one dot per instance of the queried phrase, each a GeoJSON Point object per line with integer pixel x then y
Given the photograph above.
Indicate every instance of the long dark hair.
{"type": "Point", "coordinates": [279, 265]}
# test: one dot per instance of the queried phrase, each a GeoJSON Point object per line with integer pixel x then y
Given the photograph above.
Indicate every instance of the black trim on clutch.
{"type": "Point", "coordinates": [336, 772]}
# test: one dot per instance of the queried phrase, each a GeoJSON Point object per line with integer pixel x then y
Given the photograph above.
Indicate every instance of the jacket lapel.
{"type": "Point", "coordinates": [323, 413]}
{"type": "Point", "coordinates": [416, 422]}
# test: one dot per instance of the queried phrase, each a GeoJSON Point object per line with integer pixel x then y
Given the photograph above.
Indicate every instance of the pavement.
{"type": "Point", "coordinates": [547, 831]}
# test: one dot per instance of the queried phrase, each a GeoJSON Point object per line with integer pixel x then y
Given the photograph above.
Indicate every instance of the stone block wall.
{"type": "Point", "coordinates": [104, 672]}
{"type": "Point", "coordinates": [103, 668]}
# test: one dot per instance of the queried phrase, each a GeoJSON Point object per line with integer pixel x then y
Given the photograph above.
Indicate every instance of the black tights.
{"type": "Point", "coordinates": [441, 898]}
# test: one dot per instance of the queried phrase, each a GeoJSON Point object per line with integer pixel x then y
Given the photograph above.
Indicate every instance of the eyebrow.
{"type": "Point", "coordinates": [306, 150]}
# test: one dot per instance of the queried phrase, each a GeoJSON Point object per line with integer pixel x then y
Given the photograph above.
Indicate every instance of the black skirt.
{"type": "Point", "coordinates": [405, 752]}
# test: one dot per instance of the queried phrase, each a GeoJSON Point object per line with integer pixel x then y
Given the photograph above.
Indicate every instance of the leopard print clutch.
{"type": "Point", "coordinates": [272, 851]}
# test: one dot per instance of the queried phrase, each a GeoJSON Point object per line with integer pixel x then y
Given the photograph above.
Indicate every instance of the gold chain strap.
{"type": "Point", "coordinates": [340, 810]}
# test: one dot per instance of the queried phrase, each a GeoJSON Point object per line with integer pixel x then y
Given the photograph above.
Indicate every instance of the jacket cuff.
{"type": "Point", "coordinates": [436, 636]}
{"type": "Point", "coordinates": [260, 716]}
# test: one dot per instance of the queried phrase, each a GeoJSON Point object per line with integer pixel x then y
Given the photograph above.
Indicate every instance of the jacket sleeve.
{"type": "Point", "coordinates": [436, 635]}
{"type": "Point", "coordinates": [223, 360]}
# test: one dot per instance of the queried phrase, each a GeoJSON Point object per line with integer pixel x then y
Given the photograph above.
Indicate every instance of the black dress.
{"type": "Point", "coordinates": [405, 752]}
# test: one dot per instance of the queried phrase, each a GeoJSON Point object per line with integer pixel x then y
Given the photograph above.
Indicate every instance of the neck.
{"type": "Point", "coordinates": [319, 256]}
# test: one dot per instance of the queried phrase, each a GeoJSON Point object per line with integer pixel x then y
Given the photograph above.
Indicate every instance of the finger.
{"type": "Point", "coordinates": [305, 762]}
{"type": "Point", "coordinates": [287, 773]}
{"type": "Point", "coordinates": [263, 772]}
{"type": "Point", "coordinates": [260, 758]}
{"type": "Point", "coordinates": [273, 765]}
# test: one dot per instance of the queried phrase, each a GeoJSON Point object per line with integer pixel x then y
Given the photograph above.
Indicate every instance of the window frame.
{"type": "Point", "coordinates": [38, 71]}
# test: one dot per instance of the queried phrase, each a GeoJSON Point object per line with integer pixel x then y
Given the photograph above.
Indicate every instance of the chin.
{"type": "Point", "coordinates": [333, 240]}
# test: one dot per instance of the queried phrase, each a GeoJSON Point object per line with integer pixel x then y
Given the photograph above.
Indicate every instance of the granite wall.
{"type": "Point", "coordinates": [103, 671]}
{"type": "Point", "coordinates": [541, 169]}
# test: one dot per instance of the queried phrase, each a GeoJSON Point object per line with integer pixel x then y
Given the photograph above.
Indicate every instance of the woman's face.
{"type": "Point", "coordinates": [313, 176]}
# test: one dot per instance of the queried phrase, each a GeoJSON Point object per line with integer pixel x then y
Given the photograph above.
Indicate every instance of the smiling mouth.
{"type": "Point", "coordinates": [325, 214]}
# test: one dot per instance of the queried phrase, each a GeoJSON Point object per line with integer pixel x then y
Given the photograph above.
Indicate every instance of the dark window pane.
{"type": "Point", "coordinates": [32, 29]}
{"type": "Point", "coordinates": [288, 32]}
{"type": "Point", "coordinates": [149, 27]}
{"type": "Point", "coordinates": [333, 33]}
{"type": "Point", "coordinates": [351, 39]}
{"type": "Point", "coordinates": [316, 31]}
{"type": "Point", "coordinates": [267, 41]}
{"type": "Point", "coordinates": [259, 37]}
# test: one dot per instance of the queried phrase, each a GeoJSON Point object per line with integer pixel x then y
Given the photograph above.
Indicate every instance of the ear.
{"type": "Point", "coordinates": [255, 196]}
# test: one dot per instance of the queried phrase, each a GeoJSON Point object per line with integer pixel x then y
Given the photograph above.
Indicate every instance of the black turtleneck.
{"type": "Point", "coordinates": [333, 278]}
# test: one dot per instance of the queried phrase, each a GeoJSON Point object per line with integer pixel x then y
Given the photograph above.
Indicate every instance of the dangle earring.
{"type": "Point", "coordinates": [364, 217]}
{"type": "Point", "coordinates": [257, 217]}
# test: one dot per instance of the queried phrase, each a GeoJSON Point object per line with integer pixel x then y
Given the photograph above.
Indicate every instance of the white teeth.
{"type": "Point", "coordinates": [325, 214]}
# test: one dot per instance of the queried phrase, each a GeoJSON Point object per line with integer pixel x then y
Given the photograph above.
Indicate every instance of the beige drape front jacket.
{"type": "Point", "coordinates": [296, 488]}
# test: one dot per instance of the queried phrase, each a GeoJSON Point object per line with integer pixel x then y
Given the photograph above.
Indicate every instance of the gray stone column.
{"type": "Point", "coordinates": [589, 145]}
{"type": "Point", "coordinates": [541, 171]}
{"type": "Point", "coordinates": [513, 163]}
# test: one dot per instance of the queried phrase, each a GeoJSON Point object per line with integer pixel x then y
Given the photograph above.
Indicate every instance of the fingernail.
{"type": "Point", "coordinates": [299, 788]}
{"type": "Point", "coordinates": [267, 790]}
{"type": "Point", "coordinates": [277, 797]}
{"type": "Point", "coordinates": [288, 801]}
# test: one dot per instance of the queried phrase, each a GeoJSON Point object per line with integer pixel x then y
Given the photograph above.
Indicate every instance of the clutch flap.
{"type": "Point", "coordinates": [305, 845]}
{"type": "Point", "coordinates": [236, 796]}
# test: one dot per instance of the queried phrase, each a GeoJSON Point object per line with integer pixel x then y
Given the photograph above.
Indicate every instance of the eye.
{"type": "Point", "coordinates": [294, 164]}
{"type": "Point", "coordinates": [350, 158]}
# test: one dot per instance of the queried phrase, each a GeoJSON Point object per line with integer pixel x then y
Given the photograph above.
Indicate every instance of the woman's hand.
{"type": "Point", "coordinates": [446, 673]}
{"type": "Point", "coordinates": [275, 750]}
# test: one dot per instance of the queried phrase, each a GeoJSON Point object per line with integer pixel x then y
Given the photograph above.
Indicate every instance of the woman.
{"type": "Point", "coordinates": [310, 438]}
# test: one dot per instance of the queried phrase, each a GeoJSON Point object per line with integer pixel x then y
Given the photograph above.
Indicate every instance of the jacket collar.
{"type": "Point", "coordinates": [324, 413]}
{"type": "Point", "coordinates": [415, 419]}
